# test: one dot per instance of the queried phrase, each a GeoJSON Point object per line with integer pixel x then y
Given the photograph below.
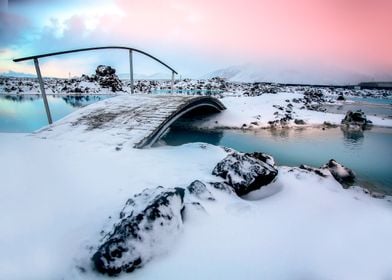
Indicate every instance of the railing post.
{"type": "Point", "coordinates": [131, 69]}
{"type": "Point", "coordinates": [42, 87]}
{"type": "Point", "coordinates": [172, 83]}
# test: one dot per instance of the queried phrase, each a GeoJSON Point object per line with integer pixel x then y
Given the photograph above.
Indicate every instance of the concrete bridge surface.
{"type": "Point", "coordinates": [138, 120]}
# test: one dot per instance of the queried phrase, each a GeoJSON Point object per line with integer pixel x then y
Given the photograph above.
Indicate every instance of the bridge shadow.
{"type": "Point", "coordinates": [181, 131]}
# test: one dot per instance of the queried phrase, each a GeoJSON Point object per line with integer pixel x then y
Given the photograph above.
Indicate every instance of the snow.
{"type": "Point", "coordinates": [57, 195]}
{"type": "Point", "coordinates": [244, 110]}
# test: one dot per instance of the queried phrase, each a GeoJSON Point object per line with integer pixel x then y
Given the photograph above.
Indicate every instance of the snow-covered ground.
{"type": "Point", "coordinates": [257, 112]}
{"type": "Point", "coordinates": [56, 197]}
{"type": "Point", "coordinates": [57, 194]}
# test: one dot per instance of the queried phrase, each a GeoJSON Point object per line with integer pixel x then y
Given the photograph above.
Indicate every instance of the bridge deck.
{"type": "Point", "coordinates": [136, 120]}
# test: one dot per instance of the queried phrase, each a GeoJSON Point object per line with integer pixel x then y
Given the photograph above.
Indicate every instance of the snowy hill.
{"type": "Point", "coordinates": [293, 74]}
{"type": "Point", "coordinates": [17, 74]}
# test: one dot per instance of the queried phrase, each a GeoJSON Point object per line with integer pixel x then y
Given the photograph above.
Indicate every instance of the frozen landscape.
{"type": "Point", "coordinates": [79, 202]}
{"type": "Point", "coordinates": [172, 139]}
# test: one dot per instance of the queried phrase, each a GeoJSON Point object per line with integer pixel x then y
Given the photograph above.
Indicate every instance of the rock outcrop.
{"type": "Point", "coordinates": [356, 119]}
{"type": "Point", "coordinates": [246, 172]}
{"type": "Point", "coordinates": [107, 78]}
{"type": "Point", "coordinates": [341, 173]}
{"type": "Point", "coordinates": [147, 223]}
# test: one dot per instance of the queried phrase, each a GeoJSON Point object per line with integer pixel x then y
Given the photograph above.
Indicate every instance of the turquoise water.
{"type": "Point", "coordinates": [371, 100]}
{"type": "Point", "coordinates": [25, 113]}
{"type": "Point", "coordinates": [369, 153]}
{"type": "Point", "coordinates": [189, 91]}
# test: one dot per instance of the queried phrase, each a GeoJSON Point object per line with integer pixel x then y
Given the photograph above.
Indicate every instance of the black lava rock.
{"type": "Point", "coordinates": [341, 173]}
{"type": "Point", "coordinates": [356, 119]}
{"type": "Point", "coordinates": [246, 172]}
{"type": "Point", "coordinates": [103, 70]}
{"type": "Point", "coordinates": [106, 77]}
{"type": "Point", "coordinates": [299, 122]}
{"type": "Point", "coordinates": [147, 221]}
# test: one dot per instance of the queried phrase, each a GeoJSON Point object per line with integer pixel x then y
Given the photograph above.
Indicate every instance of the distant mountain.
{"type": "Point", "coordinates": [155, 76]}
{"type": "Point", "coordinates": [291, 74]}
{"type": "Point", "coordinates": [17, 74]}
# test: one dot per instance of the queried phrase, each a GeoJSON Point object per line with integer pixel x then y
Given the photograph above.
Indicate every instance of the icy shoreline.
{"type": "Point", "coordinates": [302, 225]}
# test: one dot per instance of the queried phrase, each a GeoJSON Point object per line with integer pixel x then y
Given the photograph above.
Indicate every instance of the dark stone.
{"type": "Point", "coordinates": [147, 220]}
{"type": "Point", "coordinates": [341, 173]}
{"type": "Point", "coordinates": [314, 170]}
{"type": "Point", "coordinates": [103, 70]}
{"type": "Point", "coordinates": [357, 118]}
{"type": "Point", "coordinates": [106, 77]}
{"type": "Point", "coordinates": [299, 122]}
{"type": "Point", "coordinates": [341, 98]}
{"type": "Point", "coordinates": [262, 157]}
{"type": "Point", "coordinates": [245, 172]}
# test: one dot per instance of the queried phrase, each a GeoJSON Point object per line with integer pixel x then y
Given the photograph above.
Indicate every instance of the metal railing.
{"type": "Point", "coordinates": [131, 50]}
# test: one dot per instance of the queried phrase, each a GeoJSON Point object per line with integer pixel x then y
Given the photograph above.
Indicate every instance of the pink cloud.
{"type": "Point", "coordinates": [351, 31]}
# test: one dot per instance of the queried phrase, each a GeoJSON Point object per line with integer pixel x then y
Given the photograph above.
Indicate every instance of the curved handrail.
{"type": "Point", "coordinates": [91, 49]}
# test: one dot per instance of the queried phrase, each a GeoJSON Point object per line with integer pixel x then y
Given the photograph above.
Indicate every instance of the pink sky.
{"type": "Point", "coordinates": [355, 34]}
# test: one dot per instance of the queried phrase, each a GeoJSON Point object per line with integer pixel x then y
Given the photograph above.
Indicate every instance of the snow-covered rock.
{"type": "Point", "coordinates": [246, 172]}
{"type": "Point", "coordinates": [147, 223]}
{"type": "Point", "coordinates": [341, 173]}
{"type": "Point", "coordinates": [199, 189]}
{"type": "Point", "coordinates": [104, 70]}
{"type": "Point", "coordinates": [356, 119]}
{"type": "Point", "coordinates": [106, 77]}
{"type": "Point", "coordinates": [319, 171]}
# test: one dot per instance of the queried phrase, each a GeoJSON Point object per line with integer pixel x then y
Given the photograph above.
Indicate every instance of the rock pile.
{"type": "Point", "coordinates": [246, 172]}
{"type": "Point", "coordinates": [107, 78]}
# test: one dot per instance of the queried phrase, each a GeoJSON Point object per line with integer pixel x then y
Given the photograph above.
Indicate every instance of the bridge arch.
{"type": "Point", "coordinates": [206, 102]}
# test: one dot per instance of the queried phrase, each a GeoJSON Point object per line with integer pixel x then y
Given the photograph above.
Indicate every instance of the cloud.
{"type": "Point", "coordinates": [12, 28]}
{"type": "Point", "coordinates": [195, 34]}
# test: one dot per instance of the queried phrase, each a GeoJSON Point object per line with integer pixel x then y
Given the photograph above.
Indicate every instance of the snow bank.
{"type": "Point", "coordinates": [56, 196]}
{"type": "Point", "coordinates": [257, 111]}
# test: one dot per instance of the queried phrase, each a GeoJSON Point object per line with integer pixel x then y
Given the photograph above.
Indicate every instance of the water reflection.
{"type": "Point", "coordinates": [280, 133]}
{"type": "Point", "coordinates": [177, 135]}
{"type": "Point", "coordinates": [82, 100]}
{"type": "Point", "coordinates": [353, 138]}
{"type": "Point", "coordinates": [25, 113]}
{"type": "Point", "coordinates": [73, 100]}
{"type": "Point", "coordinates": [21, 98]}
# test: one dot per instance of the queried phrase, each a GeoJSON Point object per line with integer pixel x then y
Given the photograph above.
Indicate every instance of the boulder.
{"type": "Point", "coordinates": [106, 77]}
{"type": "Point", "coordinates": [246, 172]}
{"type": "Point", "coordinates": [147, 223]}
{"type": "Point", "coordinates": [341, 173]}
{"type": "Point", "coordinates": [356, 119]}
{"type": "Point", "coordinates": [299, 122]}
{"type": "Point", "coordinates": [104, 70]}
